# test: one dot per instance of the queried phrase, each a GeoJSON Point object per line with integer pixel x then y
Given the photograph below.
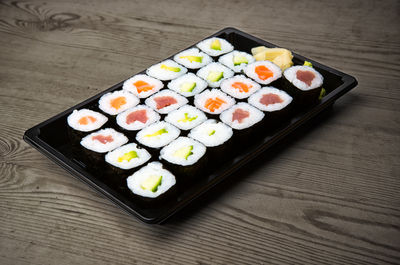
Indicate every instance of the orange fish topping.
{"type": "Point", "coordinates": [103, 139]}
{"type": "Point", "coordinates": [86, 119]}
{"type": "Point", "coordinates": [263, 72]}
{"type": "Point", "coordinates": [118, 102]}
{"type": "Point", "coordinates": [213, 104]}
{"type": "Point", "coordinates": [270, 99]}
{"type": "Point", "coordinates": [243, 87]}
{"type": "Point", "coordinates": [142, 86]}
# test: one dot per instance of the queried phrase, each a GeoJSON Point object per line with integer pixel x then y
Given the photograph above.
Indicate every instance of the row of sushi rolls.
{"type": "Point", "coordinates": [167, 119]}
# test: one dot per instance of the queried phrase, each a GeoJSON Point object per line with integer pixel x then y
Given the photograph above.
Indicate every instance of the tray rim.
{"type": "Point", "coordinates": [31, 136]}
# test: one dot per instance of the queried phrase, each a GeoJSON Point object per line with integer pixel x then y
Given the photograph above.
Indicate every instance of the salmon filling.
{"type": "Point", "coordinates": [142, 86]}
{"type": "Point", "coordinates": [86, 120]}
{"type": "Point", "coordinates": [239, 115]}
{"type": "Point", "coordinates": [213, 104]}
{"type": "Point", "coordinates": [166, 101]}
{"type": "Point", "coordinates": [139, 115]}
{"type": "Point", "coordinates": [263, 72]}
{"type": "Point", "coordinates": [103, 139]}
{"type": "Point", "coordinates": [118, 102]}
{"type": "Point", "coordinates": [270, 98]}
{"type": "Point", "coordinates": [242, 87]}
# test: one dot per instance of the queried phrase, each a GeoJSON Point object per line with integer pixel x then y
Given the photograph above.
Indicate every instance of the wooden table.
{"type": "Point", "coordinates": [329, 195]}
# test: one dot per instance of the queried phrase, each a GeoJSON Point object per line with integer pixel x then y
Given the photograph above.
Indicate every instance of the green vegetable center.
{"type": "Point", "coordinates": [188, 118]}
{"type": "Point", "coordinates": [128, 156]}
{"type": "Point", "coordinates": [157, 133]}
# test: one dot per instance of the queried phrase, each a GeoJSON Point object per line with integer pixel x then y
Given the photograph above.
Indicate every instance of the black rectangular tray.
{"type": "Point", "coordinates": [50, 137]}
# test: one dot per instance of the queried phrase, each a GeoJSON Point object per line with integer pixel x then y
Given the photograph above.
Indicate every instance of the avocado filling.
{"type": "Point", "coordinates": [184, 152]}
{"type": "Point", "coordinates": [239, 59]}
{"type": "Point", "coordinates": [157, 133]}
{"type": "Point", "coordinates": [151, 183]}
{"type": "Point", "coordinates": [188, 86]}
{"type": "Point", "coordinates": [216, 45]}
{"type": "Point", "coordinates": [187, 118]}
{"type": "Point", "coordinates": [215, 76]}
{"type": "Point", "coordinates": [128, 156]}
{"type": "Point", "coordinates": [211, 133]}
{"type": "Point", "coordinates": [170, 68]}
{"type": "Point", "coordinates": [192, 58]}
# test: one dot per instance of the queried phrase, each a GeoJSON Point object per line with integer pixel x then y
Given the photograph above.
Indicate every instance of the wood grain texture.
{"type": "Point", "coordinates": [329, 195]}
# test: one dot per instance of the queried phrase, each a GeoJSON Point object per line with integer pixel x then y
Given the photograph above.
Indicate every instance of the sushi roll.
{"type": "Point", "coordinates": [165, 101]}
{"type": "Point", "coordinates": [157, 134]}
{"type": "Point", "coordinates": [215, 46]}
{"type": "Point", "coordinates": [186, 117]}
{"type": "Point", "coordinates": [166, 70]}
{"type": "Point", "coordinates": [142, 86]}
{"type": "Point", "coordinates": [151, 181]}
{"type": "Point", "coordinates": [264, 72]}
{"type": "Point", "coordinates": [85, 120]}
{"type": "Point", "coordinates": [116, 102]}
{"type": "Point", "coordinates": [213, 101]}
{"type": "Point", "coordinates": [236, 60]}
{"type": "Point", "coordinates": [192, 58]}
{"type": "Point", "coordinates": [183, 156]}
{"type": "Point", "coordinates": [137, 118]}
{"type": "Point", "coordinates": [188, 85]}
{"type": "Point", "coordinates": [214, 73]}
{"type": "Point", "coordinates": [304, 83]}
{"type": "Point", "coordinates": [276, 103]}
{"type": "Point", "coordinates": [239, 86]}
{"type": "Point", "coordinates": [216, 136]}
{"type": "Point", "coordinates": [127, 157]}
{"type": "Point", "coordinates": [241, 116]}
{"type": "Point", "coordinates": [100, 142]}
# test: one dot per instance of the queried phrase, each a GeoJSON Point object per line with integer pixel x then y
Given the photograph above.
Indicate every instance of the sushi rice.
{"type": "Point", "coordinates": [263, 72]}
{"type": "Point", "coordinates": [165, 101]}
{"type": "Point", "coordinates": [127, 156]}
{"type": "Point", "coordinates": [166, 70]}
{"type": "Point", "coordinates": [86, 120]}
{"type": "Point", "coordinates": [135, 181]}
{"type": "Point", "coordinates": [213, 101]}
{"type": "Point", "coordinates": [104, 140]}
{"type": "Point", "coordinates": [236, 60]}
{"type": "Point", "coordinates": [239, 86]}
{"type": "Point", "coordinates": [215, 73]}
{"type": "Point", "coordinates": [223, 46]}
{"type": "Point", "coordinates": [157, 134]}
{"type": "Point", "coordinates": [241, 116]}
{"type": "Point", "coordinates": [192, 58]}
{"type": "Point", "coordinates": [118, 101]}
{"type": "Point", "coordinates": [142, 86]}
{"type": "Point", "coordinates": [211, 133]}
{"type": "Point", "coordinates": [137, 118]}
{"type": "Point", "coordinates": [270, 99]}
{"type": "Point", "coordinates": [186, 117]}
{"type": "Point", "coordinates": [188, 85]}
{"type": "Point", "coordinates": [291, 74]}
{"type": "Point", "coordinates": [192, 151]}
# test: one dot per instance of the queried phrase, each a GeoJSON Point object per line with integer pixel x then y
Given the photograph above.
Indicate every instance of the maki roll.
{"type": "Point", "coordinates": [85, 120]}
{"type": "Point", "coordinates": [215, 46]}
{"type": "Point", "coordinates": [166, 70]}
{"type": "Point", "coordinates": [236, 60]}
{"type": "Point", "coordinates": [183, 156]}
{"type": "Point", "coordinates": [239, 86]}
{"type": "Point", "coordinates": [116, 102]}
{"type": "Point", "coordinates": [241, 116]}
{"type": "Point", "coordinates": [99, 142]}
{"type": "Point", "coordinates": [214, 73]}
{"type": "Point", "coordinates": [127, 157]}
{"type": "Point", "coordinates": [186, 117]}
{"type": "Point", "coordinates": [216, 137]}
{"type": "Point", "coordinates": [274, 102]}
{"type": "Point", "coordinates": [137, 118]}
{"type": "Point", "coordinates": [264, 72]}
{"type": "Point", "coordinates": [151, 181]}
{"type": "Point", "coordinates": [188, 85]}
{"type": "Point", "coordinates": [165, 101]}
{"type": "Point", "coordinates": [304, 83]}
{"type": "Point", "coordinates": [142, 86]}
{"type": "Point", "coordinates": [157, 134]}
{"type": "Point", "coordinates": [211, 133]}
{"type": "Point", "coordinates": [192, 58]}
{"type": "Point", "coordinates": [213, 101]}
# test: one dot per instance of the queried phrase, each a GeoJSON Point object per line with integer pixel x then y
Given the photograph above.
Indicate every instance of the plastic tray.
{"type": "Point", "coordinates": [50, 138]}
